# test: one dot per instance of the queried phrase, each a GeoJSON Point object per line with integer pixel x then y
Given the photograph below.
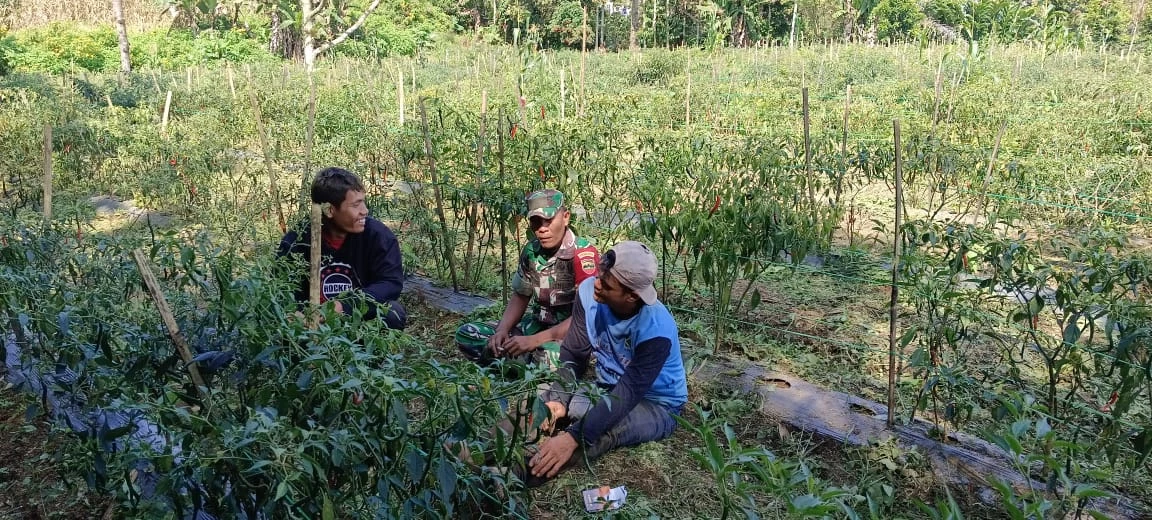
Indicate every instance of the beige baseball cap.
{"type": "Point", "coordinates": [634, 265]}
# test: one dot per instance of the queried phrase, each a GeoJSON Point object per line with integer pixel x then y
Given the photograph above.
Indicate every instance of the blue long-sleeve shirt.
{"type": "Point", "coordinates": [652, 369]}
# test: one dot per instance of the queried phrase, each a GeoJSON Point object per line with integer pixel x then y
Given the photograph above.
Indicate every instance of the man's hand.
{"type": "Point", "coordinates": [523, 344]}
{"type": "Point", "coordinates": [497, 341]}
{"type": "Point", "coordinates": [553, 455]}
{"type": "Point", "coordinates": [338, 306]}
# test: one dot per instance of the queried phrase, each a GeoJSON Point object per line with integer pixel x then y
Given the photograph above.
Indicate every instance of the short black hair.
{"type": "Point", "coordinates": [331, 185]}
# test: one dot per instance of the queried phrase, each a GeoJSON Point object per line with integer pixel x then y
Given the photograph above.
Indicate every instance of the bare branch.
{"type": "Point", "coordinates": [348, 32]}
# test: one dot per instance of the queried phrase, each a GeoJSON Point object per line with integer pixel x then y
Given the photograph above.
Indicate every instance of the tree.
{"type": "Point", "coordinates": [298, 31]}
{"type": "Point", "coordinates": [122, 32]}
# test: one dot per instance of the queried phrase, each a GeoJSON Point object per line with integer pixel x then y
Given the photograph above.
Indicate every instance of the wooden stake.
{"type": "Point", "coordinates": [231, 81]}
{"type": "Point", "coordinates": [808, 149]}
{"type": "Point", "coordinates": [47, 183]}
{"type": "Point", "coordinates": [400, 97]}
{"type": "Point", "coordinates": [474, 211]}
{"type": "Point", "coordinates": [503, 222]}
{"type": "Point", "coordinates": [583, 64]}
{"type": "Point", "coordinates": [988, 172]}
{"type": "Point", "coordinates": [309, 140]}
{"type": "Point", "coordinates": [439, 195]}
{"type": "Point", "coordinates": [688, 94]}
{"type": "Point", "coordinates": [164, 119]}
{"type": "Point", "coordinates": [314, 281]}
{"type": "Point", "coordinates": [844, 143]}
{"type": "Point", "coordinates": [166, 315]}
{"type": "Point", "coordinates": [273, 180]}
{"type": "Point", "coordinates": [939, 90]}
{"type": "Point", "coordinates": [892, 306]}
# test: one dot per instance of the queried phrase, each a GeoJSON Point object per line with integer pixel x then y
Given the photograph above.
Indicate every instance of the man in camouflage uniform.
{"type": "Point", "coordinates": [544, 287]}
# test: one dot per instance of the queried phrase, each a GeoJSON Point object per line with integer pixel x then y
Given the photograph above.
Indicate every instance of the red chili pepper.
{"type": "Point", "coordinates": [541, 112]}
{"type": "Point", "coordinates": [1111, 401]}
{"type": "Point", "coordinates": [79, 234]}
{"type": "Point", "coordinates": [171, 162]}
{"type": "Point", "coordinates": [715, 206]}
{"type": "Point", "coordinates": [639, 207]}
{"type": "Point", "coordinates": [541, 169]}
{"type": "Point", "coordinates": [357, 398]}
{"type": "Point", "coordinates": [512, 134]}
{"type": "Point", "coordinates": [1035, 321]}
{"type": "Point", "coordinates": [964, 259]}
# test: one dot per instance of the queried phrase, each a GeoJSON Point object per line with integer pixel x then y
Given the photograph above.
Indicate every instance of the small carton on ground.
{"type": "Point", "coordinates": [604, 498]}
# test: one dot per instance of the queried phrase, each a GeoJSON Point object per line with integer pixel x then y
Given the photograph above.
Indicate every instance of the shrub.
{"type": "Point", "coordinates": [182, 48]}
{"type": "Point", "coordinates": [896, 19]}
{"type": "Point", "coordinates": [8, 50]}
{"type": "Point", "coordinates": [566, 26]}
{"type": "Point", "coordinates": [656, 67]}
{"type": "Point", "coordinates": [63, 47]}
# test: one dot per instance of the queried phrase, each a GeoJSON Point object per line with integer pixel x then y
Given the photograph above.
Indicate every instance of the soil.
{"type": "Point", "coordinates": [32, 485]}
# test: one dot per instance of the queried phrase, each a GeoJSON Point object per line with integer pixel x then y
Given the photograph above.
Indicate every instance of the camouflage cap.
{"type": "Point", "coordinates": [544, 203]}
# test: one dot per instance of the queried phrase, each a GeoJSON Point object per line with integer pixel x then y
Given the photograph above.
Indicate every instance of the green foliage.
{"type": "Point", "coordinates": [8, 51]}
{"type": "Point", "coordinates": [657, 67]}
{"type": "Point", "coordinates": [743, 475]}
{"type": "Point", "coordinates": [897, 19]}
{"type": "Point", "coordinates": [566, 24]}
{"type": "Point", "coordinates": [62, 48]}
{"type": "Point", "coordinates": [179, 48]}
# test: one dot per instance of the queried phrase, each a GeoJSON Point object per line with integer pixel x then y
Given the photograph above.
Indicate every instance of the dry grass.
{"type": "Point", "coordinates": [22, 14]}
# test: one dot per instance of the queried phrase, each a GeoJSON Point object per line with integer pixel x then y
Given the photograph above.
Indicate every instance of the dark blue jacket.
{"type": "Point", "coordinates": [368, 262]}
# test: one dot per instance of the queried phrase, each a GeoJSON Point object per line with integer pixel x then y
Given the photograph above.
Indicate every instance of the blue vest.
{"type": "Point", "coordinates": [614, 343]}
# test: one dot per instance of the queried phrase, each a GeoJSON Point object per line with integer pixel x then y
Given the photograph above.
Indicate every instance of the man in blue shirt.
{"type": "Point", "coordinates": [618, 319]}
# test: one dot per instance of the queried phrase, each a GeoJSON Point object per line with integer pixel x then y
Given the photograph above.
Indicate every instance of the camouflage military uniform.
{"type": "Point", "coordinates": [548, 281]}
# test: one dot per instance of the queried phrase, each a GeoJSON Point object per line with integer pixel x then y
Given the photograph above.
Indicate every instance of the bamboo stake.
{"type": "Point", "coordinates": [273, 180]}
{"type": "Point", "coordinates": [562, 92]}
{"type": "Point", "coordinates": [503, 222]}
{"type": "Point", "coordinates": [688, 94]}
{"type": "Point", "coordinates": [309, 139]}
{"type": "Point", "coordinates": [583, 64]}
{"type": "Point", "coordinates": [439, 195]}
{"type": "Point", "coordinates": [314, 281]}
{"type": "Point", "coordinates": [844, 143]}
{"type": "Point", "coordinates": [47, 175]}
{"type": "Point", "coordinates": [166, 315]}
{"type": "Point", "coordinates": [164, 119]}
{"type": "Point", "coordinates": [400, 96]}
{"type": "Point", "coordinates": [474, 216]}
{"type": "Point", "coordinates": [810, 180]}
{"type": "Point", "coordinates": [939, 91]}
{"type": "Point", "coordinates": [988, 172]}
{"type": "Point", "coordinates": [231, 81]}
{"type": "Point", "coordinates": [892, 306]}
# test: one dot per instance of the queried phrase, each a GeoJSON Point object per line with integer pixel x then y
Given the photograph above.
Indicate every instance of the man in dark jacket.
{"type": "Point", "coordinates": [360, 258]}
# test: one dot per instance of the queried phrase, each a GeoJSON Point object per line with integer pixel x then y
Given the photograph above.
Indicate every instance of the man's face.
{"type": "Point", "coordinates": [550, 231]}
{"type": "Point", "coordinates": [609, 291]}
{"type": "Point", "coordinates": [351, 215]}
